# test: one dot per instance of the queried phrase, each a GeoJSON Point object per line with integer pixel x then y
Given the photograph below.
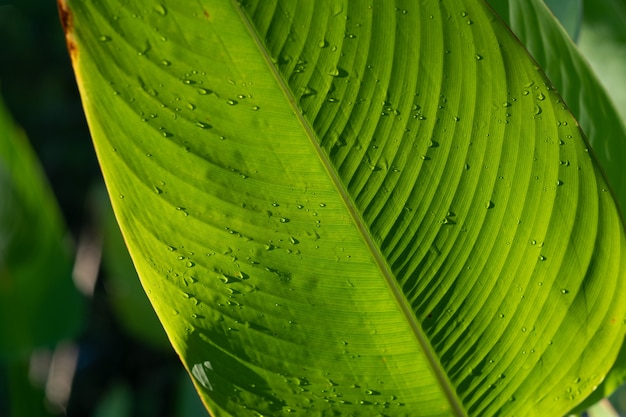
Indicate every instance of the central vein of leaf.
{"type": "Point", "coordinates": [438, 370]}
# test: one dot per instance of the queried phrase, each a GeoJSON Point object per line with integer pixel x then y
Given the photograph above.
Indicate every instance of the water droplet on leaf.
{"type": "Point", "coordinates": [160, 9]}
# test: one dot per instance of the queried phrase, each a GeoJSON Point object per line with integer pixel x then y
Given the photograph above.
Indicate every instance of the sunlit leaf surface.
{"type": "Point", "coordinates": [354, 208]}
{"type": "Point", "coordinates": [571, 74]}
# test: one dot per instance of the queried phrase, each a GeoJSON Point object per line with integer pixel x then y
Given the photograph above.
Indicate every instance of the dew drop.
{"type": "Point", "coordinates": [104, 38]}
{"type": "Point", "coordinates": [338, 72]}
{"type": "Point", "coordinates": [564, 291]}
{"type": "Point", "coordinates": [160, 9]}
{"type": "Point", "coordinates": [490, 204]}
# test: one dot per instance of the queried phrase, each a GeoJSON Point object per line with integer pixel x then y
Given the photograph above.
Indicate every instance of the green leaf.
{"type": "Point", "coordinates": [603, 43]}
{"type": "Point", "coordinates": [354, 208]}
{"type": "Point", "coordinates": [569, 13]}
{"type": "Point", "coordinates": [567, 69]}
{"type": "Point", "coordinates": [39, 304]}
{"type": "Point", "coordinates": [124, 291]}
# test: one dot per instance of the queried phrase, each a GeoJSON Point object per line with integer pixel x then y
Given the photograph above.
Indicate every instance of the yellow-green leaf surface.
{"type": "Point", "coordinates": [565, 65]}
{"type": "Point", "coordinates": [553, 49]}
{"type": "Point", "coordinates": [354, 208]}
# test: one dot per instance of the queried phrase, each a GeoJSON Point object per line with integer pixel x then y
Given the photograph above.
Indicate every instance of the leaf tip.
{"type": "Point", "coordinates": [65, 15]}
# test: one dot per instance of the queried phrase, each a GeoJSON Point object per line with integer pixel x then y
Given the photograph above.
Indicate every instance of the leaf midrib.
{"type": "Point", "coordinates": [433, 360]}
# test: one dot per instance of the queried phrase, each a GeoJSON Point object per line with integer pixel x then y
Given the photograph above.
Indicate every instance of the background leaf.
{"type": "Point", "coordinates": [39, 304]}
{"type": "Point", "coordinates": [570, 14]}
{"type": "Point", "coordinates": [383, 209]}
{"type": "Point", "coordinates": [128, 298]}
{"type": "Point", "coordinates": [603, 43]}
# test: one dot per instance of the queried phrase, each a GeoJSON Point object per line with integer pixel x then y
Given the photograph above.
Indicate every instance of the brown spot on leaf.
{"type": "Point", "coordinates": [207, 15]}
{"type": "Point", "coordinates": [65, 15]}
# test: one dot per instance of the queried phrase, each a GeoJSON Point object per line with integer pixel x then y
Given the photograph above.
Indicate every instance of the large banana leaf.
{"type": "Point", "coordinates": [354, 208]}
